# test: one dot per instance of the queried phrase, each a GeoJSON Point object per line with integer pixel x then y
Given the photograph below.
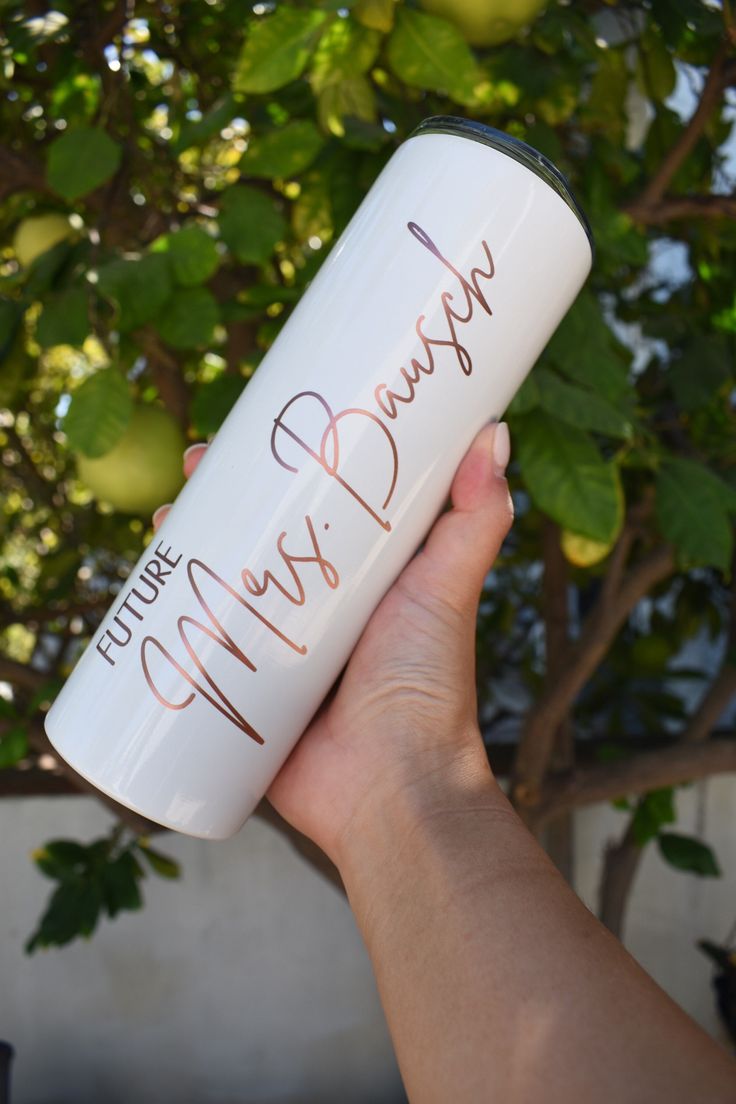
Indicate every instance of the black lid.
{"type": "Point", "coordinates": [525, 154]}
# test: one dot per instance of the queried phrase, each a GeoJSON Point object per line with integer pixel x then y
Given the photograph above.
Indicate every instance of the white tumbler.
{"type": "Point", "coordinates": [418, 329]}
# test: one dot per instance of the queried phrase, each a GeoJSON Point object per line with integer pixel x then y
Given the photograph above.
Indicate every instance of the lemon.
{"type": "Point", "coordinates": [486, 22]}
{"type": "Point", "coordinates": [582, 551]}
{"type": "Point", "coordinates": [38, 234]}
{"type": "Point", "coordinates": [143, 470]}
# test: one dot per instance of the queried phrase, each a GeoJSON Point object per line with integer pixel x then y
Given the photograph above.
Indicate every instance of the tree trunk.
{"type": "Point", "coordinates": [620, 864]}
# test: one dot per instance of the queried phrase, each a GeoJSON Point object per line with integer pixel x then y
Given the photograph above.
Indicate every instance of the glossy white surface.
{"type": "Point", "coordinates": [365, 488]}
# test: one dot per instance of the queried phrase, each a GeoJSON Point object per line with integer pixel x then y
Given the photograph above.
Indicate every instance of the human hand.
{"type": "Point", "coordinates": [402, 721]}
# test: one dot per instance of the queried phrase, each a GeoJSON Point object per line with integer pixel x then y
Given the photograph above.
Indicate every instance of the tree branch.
{"type": "Point", "coordinates": [20, 172]}
{"type": "Point", "coordinates": [39, 615]}
{"type": "Point", "coordinates": [64, 779]}
{"type": "Point", "coordinates": [634, 527]}
{"type": "Point", "coordinates": [622, 859]}
{"type": "Point", "coordinates": [620, 865]}
{"type": "Point", "coordinates": [598, 632]}
{"type": "Point", "coordinates": [648, 770]}
{"type": "Point", "coordinates": [672, 208]}
{"type": "Point", "coordinates": [34, 782]}
{"type": "Point", "coordinates": [20, 674]}
{"type": "Point", "coordinates": [168, 376]}
{"type": "Point", "coordinates": [712, 705]}
{"type": "Point", "coordinates": [710, 99]}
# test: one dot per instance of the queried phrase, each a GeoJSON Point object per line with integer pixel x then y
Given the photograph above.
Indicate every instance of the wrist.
{"type": "Point", "coordinates": [416, 803]}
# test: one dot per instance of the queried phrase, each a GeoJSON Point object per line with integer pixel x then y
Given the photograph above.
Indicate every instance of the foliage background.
{"type": "Point", "coordinates": [207, 156]}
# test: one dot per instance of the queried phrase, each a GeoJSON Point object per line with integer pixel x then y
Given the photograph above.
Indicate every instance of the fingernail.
{"type": "Point", "coordinates": [501, 449]}
{"type": "Point", "coordinates": [199, 445]}
{"type": "Point", "coordinates": [156, 512]}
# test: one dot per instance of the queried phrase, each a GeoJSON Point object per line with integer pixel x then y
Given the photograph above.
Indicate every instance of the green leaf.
{"type": "Point", "coordinates": [277, 49]}
{"type": "Point", "coordinates": [655, 70]}
{"type": "Point", "coordinates": [286, 151]}
{"type": "Point", "coordinates": [213, 402]}
{"type": "Point", "coordinates": [139, 287]}
{"type": "Point", "coordinates": [15, 368]}
{"type": "Point", "coordinates": [619, 240]}
{"type": "Point", "coordinates": [13, 746]}
{"type": "Point", "coordinates": [579, 407]}
{"type": "Point", "coordinates": [686, 853]}
{"type": "Point", "coordinates": [61, 859]}
{"type": "Point", "coordinates": [526, 398]}
{"type": "Point", "coordinates": [189, 318]}
{"type": "Point", "coordinates": [119, 884]}
{"type": "Point", "coordinates": [192, 253]}
{"type": "Point", "coordinates": [653, 810]}
{"type": "Point", "coordinates": [428, 52]}
{"type": "Point", "coordinates": [11, 317]}
{"type": "Point", "coordinates": [45, 693]}
{"type": "Point", "coordinates": [701, 369]}
{"type": "Point", "coordinates": [8, 710]}
{"type": "Point", "coordinates": [376, 14]}
{"type": "Point", "coordinates": [72, 911]}
{"type": "Point", "coordinates": [163, 865]}
{"type": "Point", "coordinates": [352, 97]}
{"type": "Point", "coordinates": [345, 50]}
{"type": "Point", "coordinates": [46, 268]}
{"type": "Point", "coordinates": [568, 478]}
{"type": "Point", "coordinates": [75, 98]}
{"type": "Point", "coordinates": [80, 160]}
{"type": "Point", "coordinates": [585, 350]}
{"type": "Point", "coordinates": [605, 100]}
{"type": "Point", "coordinates": [341, 167]}
{"type": "Point", "coordinates": [98, 413]}
{"type": "Point", "coordinates": [64, 320]}
{"type": "Point", "coordinates": [311, 214]}
{"type": "Point", "coordinates": [622, 804]}
{"type": "Point", "coordinates": [250, 224]}
{"type": "Point", "coordinates": [693, 507]}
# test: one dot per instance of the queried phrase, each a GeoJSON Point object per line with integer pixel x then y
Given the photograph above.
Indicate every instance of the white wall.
{"type": "Point", "coordinates": [247, 981]}
{"type": "Point", "coordinates": [669, 911]}
{"type": "Point", "coordinates": [244, 982]}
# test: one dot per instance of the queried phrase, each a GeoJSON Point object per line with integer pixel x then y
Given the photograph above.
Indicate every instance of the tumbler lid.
{"type": "Point", "coordinates": [522, 152]}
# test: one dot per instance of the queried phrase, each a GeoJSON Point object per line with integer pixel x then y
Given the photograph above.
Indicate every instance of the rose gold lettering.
{"type": "Point", "coordinates": [470, 289]}
{"type": "Point", "coordinates": [328, 456]}
{"type": "Point", "coordinates": [287, 433]}
{"type": "Point", "coordinates": [300, 648]}
{"type": "Point", "coordinates": [329, 572]}
{"type": "Point", "coordinates": [223, 706]}
{"type": "Point", "coordinates": [386, 399]}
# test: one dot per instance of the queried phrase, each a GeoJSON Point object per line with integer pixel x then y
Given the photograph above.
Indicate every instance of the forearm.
{"type": "Point", "coordinates": [497, 983]}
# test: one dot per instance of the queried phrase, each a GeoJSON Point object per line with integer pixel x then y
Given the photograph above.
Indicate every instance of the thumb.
{"type": "Point", "coordinates": [465, 540]}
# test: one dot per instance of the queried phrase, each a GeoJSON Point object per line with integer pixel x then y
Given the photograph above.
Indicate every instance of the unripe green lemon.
{"type": "Point", "coordinates": [486, 22]}
{"type": "Point", "coordinates": [144, 469]}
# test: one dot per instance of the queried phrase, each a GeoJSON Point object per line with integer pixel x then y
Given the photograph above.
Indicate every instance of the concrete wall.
{"type": "Point", "coordinates": [247, 981]}
{"type": "Point", "coordinates": [669, 911]}
{"type": "Point", "coordinates": [244, 982]}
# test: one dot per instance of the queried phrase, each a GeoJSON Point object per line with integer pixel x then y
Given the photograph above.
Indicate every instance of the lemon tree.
{"type": "Point", "coordinates": [171, 187]}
